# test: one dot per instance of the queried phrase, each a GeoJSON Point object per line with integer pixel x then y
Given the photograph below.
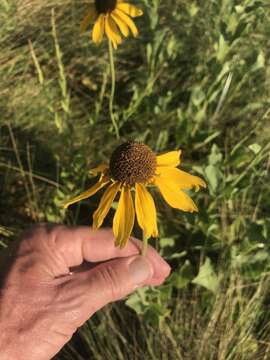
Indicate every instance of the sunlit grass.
{"type": "Point", "coordinates": [196, 78]}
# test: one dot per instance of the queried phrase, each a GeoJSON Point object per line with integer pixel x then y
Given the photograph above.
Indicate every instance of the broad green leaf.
{"type": "Point", "coordinates": [137, 301]}
{"type": "Point", "coordinates": [207, 277]}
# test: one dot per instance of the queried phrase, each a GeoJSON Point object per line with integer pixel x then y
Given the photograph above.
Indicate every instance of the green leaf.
{"type": "Point", "coordinates": [233, 23]}
{"type": "Point", "coordinates": [256, 148]}
{"type": "Point", "coordinates": [216, 156]}
{"type": "Point", "coordinates": [193, 10]}
{"type": "Point", "coordinates": [178, 255]}
{"type": "Point", "coordinates": [155, 314]}
{"type": "Point", "coordinates": [164, 241]}
{"type": "Point", "coordinates": [212, 176]}
{"type": "Point", "coordinates": [183, 276]}
{"type": "Point", "coordinates": [137, 301]}
{"type": "Point", "coordinates": [223, 48]}
{"type": "Point", "coordinates": [260, 62]}
{"type": "Point", "coordinates": [198, 96]}
{"type": "Point", "coordinates": [260, 256]}
{"type": "Point", "coordinates": [239, 9]}
{"type": "Point", "coordinates": [207, 277]}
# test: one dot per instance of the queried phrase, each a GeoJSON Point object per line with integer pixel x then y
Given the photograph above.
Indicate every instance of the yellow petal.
{"type": "Point", "coordinates": [86, 194]}
{"type": "Point", "coordinates": [112, 31]}
{"type": "Point", "coordinates": [129, 9]}
{"type": "Point", "coordinates": [98, 29]}
{"type": "Point", "coordinates": [123, 220]}
{"type": "Point", "coordinates": [89, 17]}
{"type": "Point", "coordinates": [128, 21]}
{"type": "Point", "coordinates": [175, 197]}
{"type": "Point", "coordinates": [171, 158]}
{"type": "Point", "coordinates": [145, 211]}
{"type": "Point", "coordinates": [155, 230]}
{"type": "Point", "coordinates": [180, 178]}
{"type": "Point", "coordinates": [105, 204]}
{"type": "Point", "coordinates": [121, 24]}
{"type": "Point", "coordinates": [99, 169]}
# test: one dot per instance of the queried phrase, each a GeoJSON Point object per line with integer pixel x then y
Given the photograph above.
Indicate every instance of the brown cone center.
{"type": "Point", "coordinates": [105, 6]}
{"type": "Point", "coordinates": [132, 163]}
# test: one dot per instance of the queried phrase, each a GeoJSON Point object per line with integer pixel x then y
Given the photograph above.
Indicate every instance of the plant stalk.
{"type": "Point", "coordinates": [144, 246]}
{"type": "Point", "coordinates": [112, 68]}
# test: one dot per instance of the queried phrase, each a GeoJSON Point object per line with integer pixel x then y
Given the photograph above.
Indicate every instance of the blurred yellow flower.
{"type": "Point", "coordinates": [112, 17]}
{"type": "Point", "coordinates": [133, 166]}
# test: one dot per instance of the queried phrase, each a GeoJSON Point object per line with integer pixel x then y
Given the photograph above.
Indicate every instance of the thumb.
{"type": "Point", "coordinates": [112, 281]}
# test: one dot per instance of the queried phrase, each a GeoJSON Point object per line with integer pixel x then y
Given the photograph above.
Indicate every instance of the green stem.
{"type": "Point", "coordinates": [144, 246]}
{"type": "Point", "coordinates": [112, 90]}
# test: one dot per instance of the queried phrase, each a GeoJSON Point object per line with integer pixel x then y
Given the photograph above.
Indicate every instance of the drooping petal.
{"type": "Point", "coordinates": [145, 211]}
{"type": "Point", "coordinates": [86, 194]}
{"type": "Point", "coordinates": [99, 169]}
{"type": "Point", "coordinates": [89, 17]}
{"type": "Point", "coordinates": [171, 158]}
{"type": "Point", "coordinates": [120, 23]}
{"type": "Point", "coordinates": [180, 178]}
{"type": "Point", "coordinates": [112, 31]}
{"type": "Point", "coordinates": [98, 29]}
{"type": "Point", "coordinates": [129, 9]}
{"type": "Point", "coordinates": [130, 23]}
{"type": "Point", "coordinates": [155, 230]}
{"type": "Point", "coordinates": [175, 197]}
{"type": "Point", "coordinates": [123, 220]}
{"type": "Point", "coordinates": [105, 204]}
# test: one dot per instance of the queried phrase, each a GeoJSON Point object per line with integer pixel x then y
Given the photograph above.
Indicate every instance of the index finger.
{"type": "Point", "coordinates": [83, 243]}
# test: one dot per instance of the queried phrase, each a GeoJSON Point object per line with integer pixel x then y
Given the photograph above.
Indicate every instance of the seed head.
{"type": "Point", "coordinates": [105, 6]}
{"type": "Point", "coordinates": [133, 162]}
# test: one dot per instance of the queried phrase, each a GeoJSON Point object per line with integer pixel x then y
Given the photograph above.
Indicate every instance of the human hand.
{"type": "Point", "coordinates": [44, 298]}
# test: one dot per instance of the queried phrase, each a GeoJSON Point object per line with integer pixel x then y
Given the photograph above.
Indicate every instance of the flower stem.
{"type": "Point", "coordinates": [144, 246]}
{"type": "Point", "coordinates": [112, 90]}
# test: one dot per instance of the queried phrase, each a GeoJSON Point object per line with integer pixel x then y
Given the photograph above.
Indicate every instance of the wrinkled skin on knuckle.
{"type": "Point", "coordinates": [39, 246]}
{"type": "Point", "coordinates": [67, 251]}
{"type": "Point", "coordinates": [109, 278]}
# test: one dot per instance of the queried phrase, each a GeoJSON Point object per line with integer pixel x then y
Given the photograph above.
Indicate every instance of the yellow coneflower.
{"type": "Point", "coordinates": [112, 17]}
{"type": "Point", "coordinates": [133, 166]}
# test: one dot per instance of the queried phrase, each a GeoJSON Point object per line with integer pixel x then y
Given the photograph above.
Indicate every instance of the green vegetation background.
{"type": "Point", "coordinates": [197, 78]}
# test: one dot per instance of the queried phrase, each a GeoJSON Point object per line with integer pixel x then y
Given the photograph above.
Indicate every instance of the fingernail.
{"type": "Point", "coordinates": [140, 270]}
